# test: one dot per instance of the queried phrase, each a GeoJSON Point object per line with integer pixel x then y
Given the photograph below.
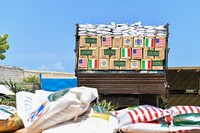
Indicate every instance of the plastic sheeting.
{"type": "Point", "coordinates": [53, 84]}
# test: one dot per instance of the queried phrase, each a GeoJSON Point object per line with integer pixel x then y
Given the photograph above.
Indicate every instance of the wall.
{"type": "Point", "coordinates": [17, 74]}
{"type": "Point", "coordinates": [9, 72]}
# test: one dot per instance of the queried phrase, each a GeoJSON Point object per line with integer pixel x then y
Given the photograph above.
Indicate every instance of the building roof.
{"type": "Point", "coordinates": [197, 68]}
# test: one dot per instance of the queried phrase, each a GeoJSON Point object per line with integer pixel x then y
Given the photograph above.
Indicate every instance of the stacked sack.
{"type": "Point", "coordinates": [150, 119]}
{"type": "Point", "coordinates": [113, 29]}
{"type": "Point", "coordinates": [43, 110]}
{"type": "Point", "coordinates": [144, 118]}
{"type": "Point", "coordinates": [185, 118]}
{"type": "Point", "coordinates": [95, 120]}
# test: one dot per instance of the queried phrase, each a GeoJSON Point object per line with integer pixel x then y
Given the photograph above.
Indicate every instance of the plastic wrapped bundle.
{"type": "Point", "coordinates": [186, 119]}
{"type": "Point", "coordinates": [9, 120]}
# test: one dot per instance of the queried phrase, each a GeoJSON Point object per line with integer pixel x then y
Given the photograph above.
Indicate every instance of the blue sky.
{"type": "Point", "coordinates": [41, 32]}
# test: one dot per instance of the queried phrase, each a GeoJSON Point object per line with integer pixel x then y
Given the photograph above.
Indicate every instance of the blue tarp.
{"type": "Point", "coordinates": [53, 84]}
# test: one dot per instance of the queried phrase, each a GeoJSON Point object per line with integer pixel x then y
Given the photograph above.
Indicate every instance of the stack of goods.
{"type": "Point", "coordinates": [143, 118]}
{"type": "Point", "coordinates": [150, 119]}
{"type": "Point", "coordinates": [42, 110]}
{"type": "Point", "coordinates": [121, 47]}
{"type": "Point", "coordinates": [185, 118]}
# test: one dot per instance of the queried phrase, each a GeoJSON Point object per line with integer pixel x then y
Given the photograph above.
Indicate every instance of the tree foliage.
{"type": "Point", "coordinates": [4, 46]}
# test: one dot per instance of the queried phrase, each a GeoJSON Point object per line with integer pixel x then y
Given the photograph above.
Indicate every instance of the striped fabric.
{"type": "Point", "coordinates": [143, 113]}
{"type": "Point", "coordinates": [177, 110]}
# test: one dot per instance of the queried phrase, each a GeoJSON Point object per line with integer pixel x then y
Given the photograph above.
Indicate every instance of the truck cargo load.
{"type": "Point", "coordinates": [123, 59]}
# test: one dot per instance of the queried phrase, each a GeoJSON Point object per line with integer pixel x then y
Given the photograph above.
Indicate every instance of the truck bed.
{"type": "Point", "coordinates": [124, 83]}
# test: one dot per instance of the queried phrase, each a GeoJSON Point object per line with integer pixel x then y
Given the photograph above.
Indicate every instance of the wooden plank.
{"type": "Point", "coordinates": [124, 83]}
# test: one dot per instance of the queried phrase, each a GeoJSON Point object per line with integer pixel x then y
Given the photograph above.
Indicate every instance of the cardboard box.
{"type": "Point", "coordinates": [125, 53]}
{"type": "Point", "coordinates": [127, 42]}
{"type": "Point", "coordinates": [138, 42]}
{"type": "Point", "coordinates": [93, 64]}
{"type": "Point", "coordinates": [161, 55]}
{"type": "Point", "coordinates": [106, 41]}
{"type": "Point", "coordinates": [117, 42]}
{"type": "Point", "coordinates": [160, 42]}
{"type": "Point", "coordinates": [89, 41]}
{"type": "Point", "coordinates": [104, 64]}
{"type": "Point", "coordinates": [89, 52]}
{"type": "Point", "coordinates": [106, 53]}
{"type": "Point", "coordinates": [137, 53]}
{"type": "Point", "coordinates": [119, 64]}
{"type": "Point", "coordinates": [84, 52]}
{"type": "Point", "coordinates": [146, 64]}
{"type": "Point", "coordinates": [116, 55]}
{"type": "Point", "coordinates": [149, 53]}
{"type": "Point", "coordinates": [135, 65]}
{"type": "Point", "coordinates": [157, 64]}
{"type": "Point", "coordinates": [95, 52]}
{"type": "Point", "coordinates": [83, 63]}
{"type": "Point", "coordinates": [149, 42]}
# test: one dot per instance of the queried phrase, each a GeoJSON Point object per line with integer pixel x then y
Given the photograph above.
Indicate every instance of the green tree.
{"type": "Point", "coordinates": [4, 46]}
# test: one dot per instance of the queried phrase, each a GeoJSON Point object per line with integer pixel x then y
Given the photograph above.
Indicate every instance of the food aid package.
{"type": "Point", "coordinates": [145, 128]}
{"type": "Point", "coordinates": [44, 112]}
{"type": "Point", "coordinates": [140, 114]}
{"type": "Point", "coordinates": [185, 118]}
{"type": "Point", "coordinates": [90, 122]}
{"type": "Point", "coordinates": [9, 120]}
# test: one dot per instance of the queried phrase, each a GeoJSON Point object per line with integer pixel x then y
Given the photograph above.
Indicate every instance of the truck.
{"type": "Point", "coordinates": [127, 63]}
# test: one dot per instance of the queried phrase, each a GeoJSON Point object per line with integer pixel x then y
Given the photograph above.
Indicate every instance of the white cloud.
{"type": "Point", "coordinates": [52, 67]}
{"type": "Point", "coordinates": [58, 66]}
{"type": "Point", "coordinates": [43, 67]}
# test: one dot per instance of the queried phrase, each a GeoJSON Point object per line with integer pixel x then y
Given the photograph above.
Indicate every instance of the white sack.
{"type": "Point", "coordinates": [60, 107]}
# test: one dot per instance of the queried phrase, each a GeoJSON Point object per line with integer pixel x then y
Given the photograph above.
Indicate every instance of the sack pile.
{"type": "Point", "coordinates": [149, 119]}
{"type": "Point", "coordinates": [71, 110]}
{"type": "Point", "coordinates": [56, 108]}
{"type": "Point", "coordinates": [113, 29]}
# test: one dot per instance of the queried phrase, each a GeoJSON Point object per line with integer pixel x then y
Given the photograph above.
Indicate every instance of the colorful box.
{"type": "Point", "coordinates": [89, 41]}
{"type": "Point", "coordinates": [137, 53]}
{"type": "Point", "coordinates": [88, 52]}
{"type": "Point", "coordinates": [127, 42]}
{"type": "Point", "coordinates": [161, 55]}
{"type": "Point", "coordinates": [146, 64]}
{"type": "Point", "coordinates": [117, 42]}
{"type": "Point", "coordinates": [157, 64]}
{"type": "Point", "coordinates": [84, 52]}
{"type": "Point", "coordinates": [125, 53]}
{"type": "Point", "coordinates": [135, 65]}
{"type": "Point", "coordinates": [106, 41]}
{"type": "Point", "coordinates": [104, 64]}
{"type": "Point", "coordinates": [138, 42]}
{"type": "Point", "coordinates": [93, 64]}
{"type": "Point", "coordinates": [119, 64]}
{"type": "Point", "coordinates": [82, 63]}
{"type": "Point", "coordinates": [95, 52]}
{"type": "Point", "coordinates": [106, 53]}
{"type": "Point", "coordinates": [149, 42]}
{"type": "Point", "coordinates": [149, 53]}
{"type": "Point", "coordinates": [114, 56]}
{"type": "Point", "coordinates": [160, 42]}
